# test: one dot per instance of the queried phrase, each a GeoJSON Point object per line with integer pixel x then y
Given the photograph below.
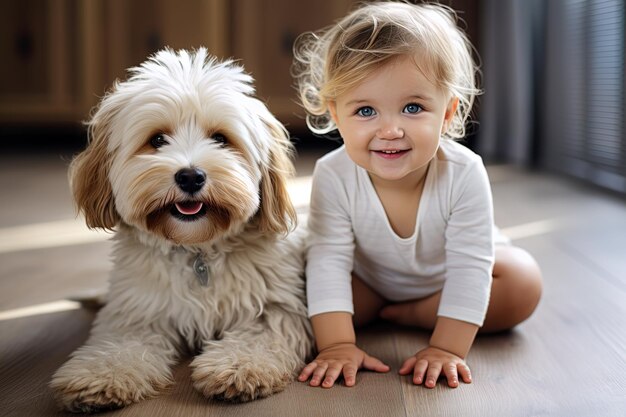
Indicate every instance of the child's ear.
{"type": "Point", "coordinates": [453, 104]}
{"type": "Point", "coordinates": [332, 109]}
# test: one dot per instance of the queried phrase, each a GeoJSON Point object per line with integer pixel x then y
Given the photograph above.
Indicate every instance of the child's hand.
{"type": "Point", "coordinates": [333, 360]}
{"type": "Point", "coordinates": [431, 362]}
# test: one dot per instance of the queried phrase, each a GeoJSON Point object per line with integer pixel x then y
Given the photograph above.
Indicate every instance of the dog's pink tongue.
{"type": "Point", "coordinates": [189, 208]}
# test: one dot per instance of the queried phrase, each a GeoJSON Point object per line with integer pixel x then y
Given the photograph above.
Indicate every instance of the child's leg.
{"type": "Point", "coordinates": [515, 293]}
{"type": "Point", "coordinates": [516, 289]}
{"type": "Point", "coordinates": [367, 302]}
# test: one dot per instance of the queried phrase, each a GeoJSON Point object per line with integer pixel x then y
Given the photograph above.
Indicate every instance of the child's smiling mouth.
{"type": "Point", "coordinates": [391, 153]}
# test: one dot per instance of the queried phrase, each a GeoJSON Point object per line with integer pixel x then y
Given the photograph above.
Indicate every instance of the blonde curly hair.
{"type": "Point", "coordinates": [338, 58]}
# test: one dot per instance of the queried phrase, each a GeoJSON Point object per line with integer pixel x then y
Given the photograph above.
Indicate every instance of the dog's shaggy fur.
{"type": "Point", "coordinates": [187, 166]}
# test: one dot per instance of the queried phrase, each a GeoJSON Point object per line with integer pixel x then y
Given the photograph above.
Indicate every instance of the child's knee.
{"type": "Point", "coordinates": [530, 279]}
{"type": "Point", "coordinates": [520, 274]}
{"type": "Point", "coordinates": [528, 290]}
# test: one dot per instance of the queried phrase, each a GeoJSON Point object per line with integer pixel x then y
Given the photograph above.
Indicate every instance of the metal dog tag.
{"type": "Point", "coordinates": [201, 270]}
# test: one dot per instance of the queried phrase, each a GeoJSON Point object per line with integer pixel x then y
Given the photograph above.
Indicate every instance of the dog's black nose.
{"type": "Point", "coordinates": [190, 180]}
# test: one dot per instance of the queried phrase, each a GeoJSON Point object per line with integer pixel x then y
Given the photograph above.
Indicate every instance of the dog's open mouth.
{"type": "Point", "coordinates": [188, 210]}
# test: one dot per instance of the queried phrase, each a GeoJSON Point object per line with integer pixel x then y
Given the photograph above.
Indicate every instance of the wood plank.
{"type": "Point", "coordinates": [31, 350]}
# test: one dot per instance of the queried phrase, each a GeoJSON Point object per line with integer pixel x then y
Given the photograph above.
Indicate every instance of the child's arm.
{"type": "Point", "coordinates": [449, 344]}
{"type": "Point", "coordinates": [454, 336]}
{"type": "Point", "coordinates": [338, 353]}
{"type": "Point", "coordinates": [465, 295]}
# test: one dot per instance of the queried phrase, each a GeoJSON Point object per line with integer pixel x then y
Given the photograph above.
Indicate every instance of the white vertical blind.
{"type": "Point", "coordinates": [574, 104]}
{"type": "Point", "coordinates": [591, 143]}
{"type": "Point", "coordinates": [605, 82]}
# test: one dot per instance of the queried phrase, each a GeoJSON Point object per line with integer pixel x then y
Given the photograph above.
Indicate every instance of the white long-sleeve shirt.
{"type": "Point", "coordinates": [451, 248]}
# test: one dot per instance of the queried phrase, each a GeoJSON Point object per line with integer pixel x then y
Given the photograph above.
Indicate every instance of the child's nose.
{"type": "Point", "coordinates": [390, 131]}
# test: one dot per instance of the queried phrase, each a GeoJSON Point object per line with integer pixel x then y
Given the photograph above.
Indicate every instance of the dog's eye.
{"type": "Point", "coordinates": [220, 138]}
{"type": "Point", "coordinates": [157, 141]}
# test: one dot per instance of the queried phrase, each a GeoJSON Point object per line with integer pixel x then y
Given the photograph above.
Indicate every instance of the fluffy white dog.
{"type": "Point", "coordinates": [190, 170]}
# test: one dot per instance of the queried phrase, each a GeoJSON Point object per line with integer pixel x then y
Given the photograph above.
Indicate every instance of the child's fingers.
{"type": "Point", "coordinates": [349, 375]}
{"type": "Point", "coordinates": [374, 364]}
{"type": "Point", "coordinates": [450, 372]}
{"type": "Point", "coordinates": [318, 374]}
{"type": "Point", "coordinates": [307, 371]}
{"type": "Point", "coordinates": [464, 372]}
{"type": "Point", "coordinates": [420, 369]}
{"type": "Point", "coordinates": [407, 366]}
{"type": "Point", "coordinates": [332, 373]}
{"type": "Point", "coordinates": [432, 375]}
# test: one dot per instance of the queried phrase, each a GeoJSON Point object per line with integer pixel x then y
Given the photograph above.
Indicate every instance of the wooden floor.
{"type": "Point", "coordinates": [568, 359]}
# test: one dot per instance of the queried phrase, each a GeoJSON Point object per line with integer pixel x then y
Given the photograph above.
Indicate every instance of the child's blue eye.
{"type": "Point", "coordinates": [412, 108]}
{"type": "Point", "coordinates": [366, 111]}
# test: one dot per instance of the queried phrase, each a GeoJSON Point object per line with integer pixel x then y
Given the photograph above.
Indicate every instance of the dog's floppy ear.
{"type": "Point", "coordinates": [277, 213]}
{"type": "Point", "coordinates": [89, 171]}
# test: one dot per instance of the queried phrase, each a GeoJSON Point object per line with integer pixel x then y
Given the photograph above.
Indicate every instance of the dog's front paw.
{"type": "Point", "coordinates": [107, 380]}
{"type": "Point", "coordinates": [238, 379]}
